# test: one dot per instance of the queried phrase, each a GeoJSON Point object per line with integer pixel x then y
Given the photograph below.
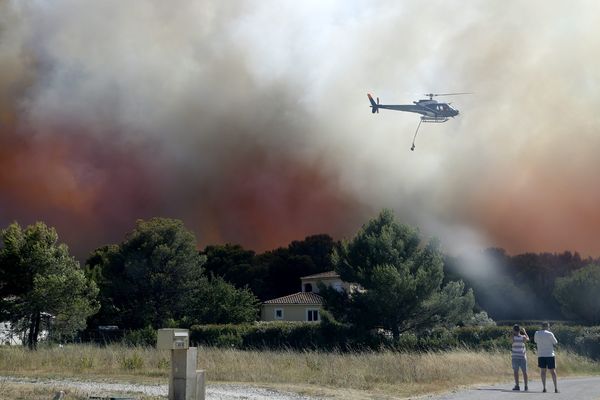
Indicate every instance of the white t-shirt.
{"type": "Point", "coordinates": [545, 341]}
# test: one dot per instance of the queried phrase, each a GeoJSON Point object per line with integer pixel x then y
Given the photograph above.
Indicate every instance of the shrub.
{"type": "Point", "coordinates": [132, 363]}
{"type": "Point", "coordinates": [328, 335]}
{"type": "Point", "coordinates": [331, 335]}
{"type": "Point", "coordinates": [141, 337]}
{"type": "Point", "coordinates": [588, 343]}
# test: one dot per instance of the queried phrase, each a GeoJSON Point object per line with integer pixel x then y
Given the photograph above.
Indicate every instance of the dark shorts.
{"type": "Point", "coordinates": [547, 362]}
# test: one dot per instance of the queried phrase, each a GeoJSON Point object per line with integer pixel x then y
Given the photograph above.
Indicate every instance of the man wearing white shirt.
{"type": "Point", "coordinates": [545, 342]}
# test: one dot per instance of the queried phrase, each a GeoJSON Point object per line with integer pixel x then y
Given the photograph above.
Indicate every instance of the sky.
{"type": "Point", "coordinates": [249, 120]}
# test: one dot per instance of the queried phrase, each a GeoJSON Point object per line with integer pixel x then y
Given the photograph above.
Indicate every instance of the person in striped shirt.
{"type": "Point", "coordinates": [519, 354]}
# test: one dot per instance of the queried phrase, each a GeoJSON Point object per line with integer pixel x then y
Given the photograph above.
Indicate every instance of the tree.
{"type": "Point", "coordinates": [231, 262]}
{"type": "Point", "coordinates": [489, 274]}
{"type": "Point", "coordinates": [156, 276]}
{"type": "Point", "coordinates": [235, 265]}
{"type": "Point", "coordinates": [285, 266]}
{"type": "Point", "coordinates": [104, 266]}
{"type": "Point", "coordinates": [144, 280]}
{"type": "Point", "coordinates": [274, 273]}
{"type": "Point", "coordinates": [400, 279]}
{"type": "Point", "coordinates": [578, 294]}
{"type": "Point", "coordinates": [515, 287]}
{"type": "Point", "coordinates": [40, 277]}
{"type": "Point", "coordinates": [218, 302]}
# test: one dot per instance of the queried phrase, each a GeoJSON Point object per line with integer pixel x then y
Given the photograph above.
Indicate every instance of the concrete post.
{"type": "Point", "coordinates": [185, 382]}
{"type": "Point", "coordinates": [200, 385]}
{"type": "Point", "coordinates": [183, 374]}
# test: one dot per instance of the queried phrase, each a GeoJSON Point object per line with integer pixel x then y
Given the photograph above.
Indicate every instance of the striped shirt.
{"type": "Point", "coordinates": [518, 347]}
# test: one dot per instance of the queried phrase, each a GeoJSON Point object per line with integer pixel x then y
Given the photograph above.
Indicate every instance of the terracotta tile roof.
{"type": "Point", "coordinates": [298, 298]}
{"type": "Point", "coordinates": [328, 274]}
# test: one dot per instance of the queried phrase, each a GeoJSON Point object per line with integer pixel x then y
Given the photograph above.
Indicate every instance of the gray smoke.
{"type": "Point", "coordinates": [206, 91]}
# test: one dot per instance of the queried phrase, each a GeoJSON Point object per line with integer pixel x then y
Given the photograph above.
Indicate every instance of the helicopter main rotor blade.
{"type": "Point", "coordinates": [446, 94]}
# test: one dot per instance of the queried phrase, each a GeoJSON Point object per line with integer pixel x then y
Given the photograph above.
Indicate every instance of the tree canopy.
{"type": "Point", "coordinates": [38, 277]}
{"type": "Point", "coordinates": [515, 287]}
{"type": "Point", "coordinates": [149, 279]}
{"type": "Point", "coordinates": [578, 294]}
{"type": "Point", "coordinates": [215, 301]}
{"type": "Point", "coordinates": [400, 280]}
{"type": "Point", "coordinates": [273, 273]}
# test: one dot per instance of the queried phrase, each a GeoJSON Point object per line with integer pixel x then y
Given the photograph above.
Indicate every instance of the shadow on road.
{"type": "Point", "coordinates": [506, 390]}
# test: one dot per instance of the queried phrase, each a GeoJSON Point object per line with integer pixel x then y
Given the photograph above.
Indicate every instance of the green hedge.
{"type": "Point", "coordinates": [330, 335]}
{"type": "Point", "coordinates": [327, 335]}
{"type": "Point", "coordinates": [271, 335]}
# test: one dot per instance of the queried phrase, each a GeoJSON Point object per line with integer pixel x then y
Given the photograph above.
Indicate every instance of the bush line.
{"type": "Point", "coordinates": [337, 337]}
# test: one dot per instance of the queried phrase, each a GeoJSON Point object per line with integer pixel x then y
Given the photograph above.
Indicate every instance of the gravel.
{"type": "Point", "coordinates": [213, 392]}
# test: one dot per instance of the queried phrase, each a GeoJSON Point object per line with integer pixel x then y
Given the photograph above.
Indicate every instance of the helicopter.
{"type": "Point", "coordinates": [431, 110]}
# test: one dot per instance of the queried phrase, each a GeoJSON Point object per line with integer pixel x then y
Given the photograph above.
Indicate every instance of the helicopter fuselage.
{"type": "Point", "coordinates": [431, 110]}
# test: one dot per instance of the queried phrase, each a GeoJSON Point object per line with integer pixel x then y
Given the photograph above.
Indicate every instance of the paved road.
{"type": "Point", "coordinates": [569, 389]}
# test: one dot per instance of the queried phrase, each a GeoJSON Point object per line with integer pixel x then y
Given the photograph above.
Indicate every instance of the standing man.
{"type": "Point", "coordinates": [545, 342]}
{"type": "Point", "coordinates": [519, 357]}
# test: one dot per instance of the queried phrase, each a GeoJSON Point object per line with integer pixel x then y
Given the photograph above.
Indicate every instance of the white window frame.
{"type": "Point", "coordinates": [275, 314]}
{"type": "Point", "coordinates": [309, 310]}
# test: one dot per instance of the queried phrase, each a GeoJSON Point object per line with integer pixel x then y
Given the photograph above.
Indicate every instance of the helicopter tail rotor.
{"type": "Point", "coordinates": [374, 106]}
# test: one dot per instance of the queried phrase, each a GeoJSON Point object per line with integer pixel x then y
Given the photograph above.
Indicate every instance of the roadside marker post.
{"type": "Point", "coordinates": [185, 382]}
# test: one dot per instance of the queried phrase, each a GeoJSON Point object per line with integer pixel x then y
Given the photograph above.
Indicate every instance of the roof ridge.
{"type": "Point", "coordinates": [325, 274]}
{"type": "Point", "coordinates": [297, 298]}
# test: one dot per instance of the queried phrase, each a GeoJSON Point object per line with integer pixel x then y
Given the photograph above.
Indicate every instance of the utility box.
{"type": "Point", "coordinates": [185, 382]}
{"type": "Point", "coordinates": [173, 339]}
{"type": "Point", "coordinates": [182, 383]}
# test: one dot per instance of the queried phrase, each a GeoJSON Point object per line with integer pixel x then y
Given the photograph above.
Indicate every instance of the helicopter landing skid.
{"type": "Point", "coordinates": [435, 120]}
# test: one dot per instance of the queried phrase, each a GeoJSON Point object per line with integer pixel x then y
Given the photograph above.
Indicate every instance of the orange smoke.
{"type": "Point", "coordinates": [93, 190]}
{"type": "Point", "coordinates": [538, 212]}
{"type": "Point", "coordinates": [264, 201]}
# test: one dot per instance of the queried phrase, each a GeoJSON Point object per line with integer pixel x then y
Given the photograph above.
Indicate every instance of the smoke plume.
{"type": "Point", "coordinates": [249, 119]}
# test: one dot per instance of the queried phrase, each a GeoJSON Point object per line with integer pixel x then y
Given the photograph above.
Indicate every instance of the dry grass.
{"type": "Point", "coordinates": [9, 391]}
{"type": "Point", "coordinates": [14, 391]}
{"type": "Point", "coordinates": [379, 374]}
{"type": "Point", "coordinates": [354, 375]}
{"type": "Point", "coordinates": [86, 361]}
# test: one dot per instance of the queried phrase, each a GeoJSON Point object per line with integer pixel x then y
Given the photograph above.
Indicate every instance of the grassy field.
{"type": "Point", "coordinates": [342, 375]}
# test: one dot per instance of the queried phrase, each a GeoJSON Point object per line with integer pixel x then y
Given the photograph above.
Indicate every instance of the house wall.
{"type": "Point", "coordinates": [335, 282]}
{"type": "Point", "coordinates": [291, 312]}
{"type": "Point", "coordinates": [7, 336]}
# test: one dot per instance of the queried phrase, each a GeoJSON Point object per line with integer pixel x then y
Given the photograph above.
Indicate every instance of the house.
{"type": "Point", "coordinates": [7, 336]}
{"type": "Point", "coordinates": [305, 305]}
{"type": "Point", "coordinates": [301, 306]}
{"type": "Point", "coordinates": [330, 278]}
{"type": "Point", "coordinates": [15, 337]}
